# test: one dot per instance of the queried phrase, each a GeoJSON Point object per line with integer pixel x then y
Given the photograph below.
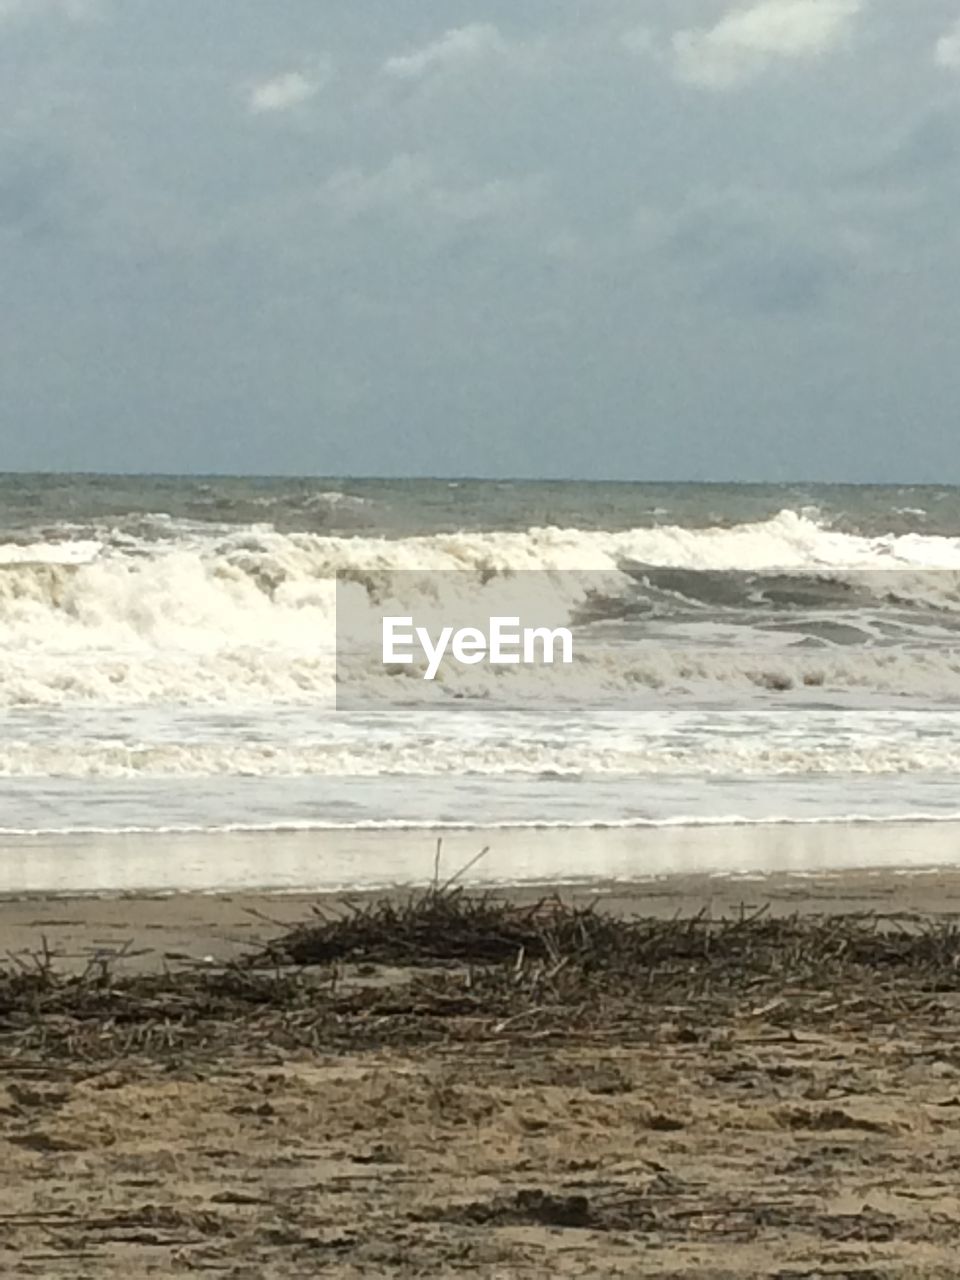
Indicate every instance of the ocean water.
{"type": "Point", "coordinates": [761, 654]}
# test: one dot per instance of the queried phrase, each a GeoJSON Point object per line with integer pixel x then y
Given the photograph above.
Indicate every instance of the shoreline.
{"type": "Point", "coordinates": [362, 860]}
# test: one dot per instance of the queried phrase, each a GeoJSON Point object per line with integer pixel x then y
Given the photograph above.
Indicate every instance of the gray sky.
{"type": "Point", "coordinates": [651, 239]}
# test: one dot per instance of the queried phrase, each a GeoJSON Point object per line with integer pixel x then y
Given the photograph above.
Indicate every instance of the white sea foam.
{"type": "Point", "coordinates": [249, 616]}
{"type": "Point", "coordinates": [417, 757]}
{"type": "Point", "coordinates": [62, 551]}
{"type": "Point", "coordinates": [693, 820]}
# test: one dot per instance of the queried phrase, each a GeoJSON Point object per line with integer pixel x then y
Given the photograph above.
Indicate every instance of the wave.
{"type": "Point", "coordinates": [248, 615]}
{"type": "Point", "coordinates": [495, 758]}
{"type": "Point", "coordinates": [843, 820]}
{"type": "Point", "coordinates": [247, 678]}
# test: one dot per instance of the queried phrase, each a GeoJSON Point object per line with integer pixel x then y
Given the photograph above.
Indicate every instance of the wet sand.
{"type": "Point", "coordinates": [716, 1143]}
{"type": "Point", "coordinates": [321, 861]}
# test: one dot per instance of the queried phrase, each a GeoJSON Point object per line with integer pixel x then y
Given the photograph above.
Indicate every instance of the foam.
{"type": "Point", "coordinates": [249, 616]}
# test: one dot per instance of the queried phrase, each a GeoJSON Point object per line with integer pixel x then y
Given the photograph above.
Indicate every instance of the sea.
{"type": "Point", "coordinates": [772, 657]}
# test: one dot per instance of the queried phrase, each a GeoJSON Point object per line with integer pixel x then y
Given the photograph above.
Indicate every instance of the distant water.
{"type": "Point", "coordinates": [167, 660]}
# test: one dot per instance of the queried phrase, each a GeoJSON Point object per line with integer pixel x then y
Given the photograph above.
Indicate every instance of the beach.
{"type": "Point", "coordinates": [479, 641]}
{"type": "Point", "coordinates": [641, 965]}
{"type": "Point", "coordinates": [786, 1130]}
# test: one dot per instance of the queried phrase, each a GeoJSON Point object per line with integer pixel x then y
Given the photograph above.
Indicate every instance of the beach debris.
{"type": "Point", "coordinates": [448, 965]}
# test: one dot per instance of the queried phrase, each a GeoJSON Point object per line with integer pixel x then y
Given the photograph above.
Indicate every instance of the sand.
{"type": "Point", "coordinates": [715, 1145]}
{"type": "Point", "coordinates": [166, 928]}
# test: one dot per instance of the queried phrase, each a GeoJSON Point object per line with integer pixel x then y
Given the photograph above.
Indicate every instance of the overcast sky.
{"type": "Point", "coordinates": [651, 239]}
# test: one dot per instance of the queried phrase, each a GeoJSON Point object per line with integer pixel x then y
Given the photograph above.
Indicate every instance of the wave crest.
{"type": "Point", "coordinates": [249, 614]}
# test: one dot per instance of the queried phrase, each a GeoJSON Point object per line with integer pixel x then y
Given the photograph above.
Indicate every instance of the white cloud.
{"type": "Point", "coordinates": [947, 50]}
{"type": "Point", "coordinates": [456, 48]}
{"type": "Point", "coordinates": [748, 39]}
{"type": "Point", "coordinates": [283, 92]}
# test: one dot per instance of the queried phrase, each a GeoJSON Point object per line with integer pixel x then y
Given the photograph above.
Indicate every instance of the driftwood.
{"type": "Point", "coordinates": [471, 967]}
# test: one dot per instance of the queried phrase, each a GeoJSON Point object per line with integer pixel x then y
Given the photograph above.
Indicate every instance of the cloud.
{"type": "Point", "coordinates": [456, 48]}
{"type": "Point", "coordinates": [639, 39]}
{"type": "Point", "coordinates": [283, 92]}
{"type": "Point", "coordinates": [747, 40]}
{"type": "Point", "coordinates": [43, 192]}
{"type": "Point", "coordinates": [354, 192]}
{"type": "Point", "coordinates": [761, 250]}
{"type": "Point", "coordinates": [906, 193]}
{"type": "Point", "coordinates": [946, 52]}
{"type": "Point", "coordinates": [927, 150]}
{"type": "Point", "coordinates": [410, 185]}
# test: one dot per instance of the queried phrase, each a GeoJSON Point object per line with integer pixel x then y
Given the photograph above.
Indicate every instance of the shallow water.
{"type": "Point", "coordinates": [282, 861]}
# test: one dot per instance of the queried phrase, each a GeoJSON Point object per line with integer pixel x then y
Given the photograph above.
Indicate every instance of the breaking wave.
{"type": "Point", "coordinates": [247, 614]}
{"type": "Point", "coordinates": [495, 758]}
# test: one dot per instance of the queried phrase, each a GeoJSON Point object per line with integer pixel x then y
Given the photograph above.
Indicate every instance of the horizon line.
{"type": "Point", "coordinates": [467, 478]}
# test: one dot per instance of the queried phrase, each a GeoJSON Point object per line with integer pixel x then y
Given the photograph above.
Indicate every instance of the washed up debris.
{"type": "Point", "coordinates": [471, 966]}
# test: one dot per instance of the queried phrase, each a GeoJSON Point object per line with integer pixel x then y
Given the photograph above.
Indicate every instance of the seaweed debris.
{"type": "Point", "coordinates": [468, 967]}
{"type": "Point", "coordinates": [441, 926]}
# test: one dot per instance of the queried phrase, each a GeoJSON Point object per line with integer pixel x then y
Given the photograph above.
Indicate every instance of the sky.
{"type": "Point", "coordinates": [628, 239]}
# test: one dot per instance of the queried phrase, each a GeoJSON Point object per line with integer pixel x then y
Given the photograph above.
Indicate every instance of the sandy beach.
{"type": "Point", "coordinates": [479, 640]}
{"type": "Point", "coordinates": [787, 1132]}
